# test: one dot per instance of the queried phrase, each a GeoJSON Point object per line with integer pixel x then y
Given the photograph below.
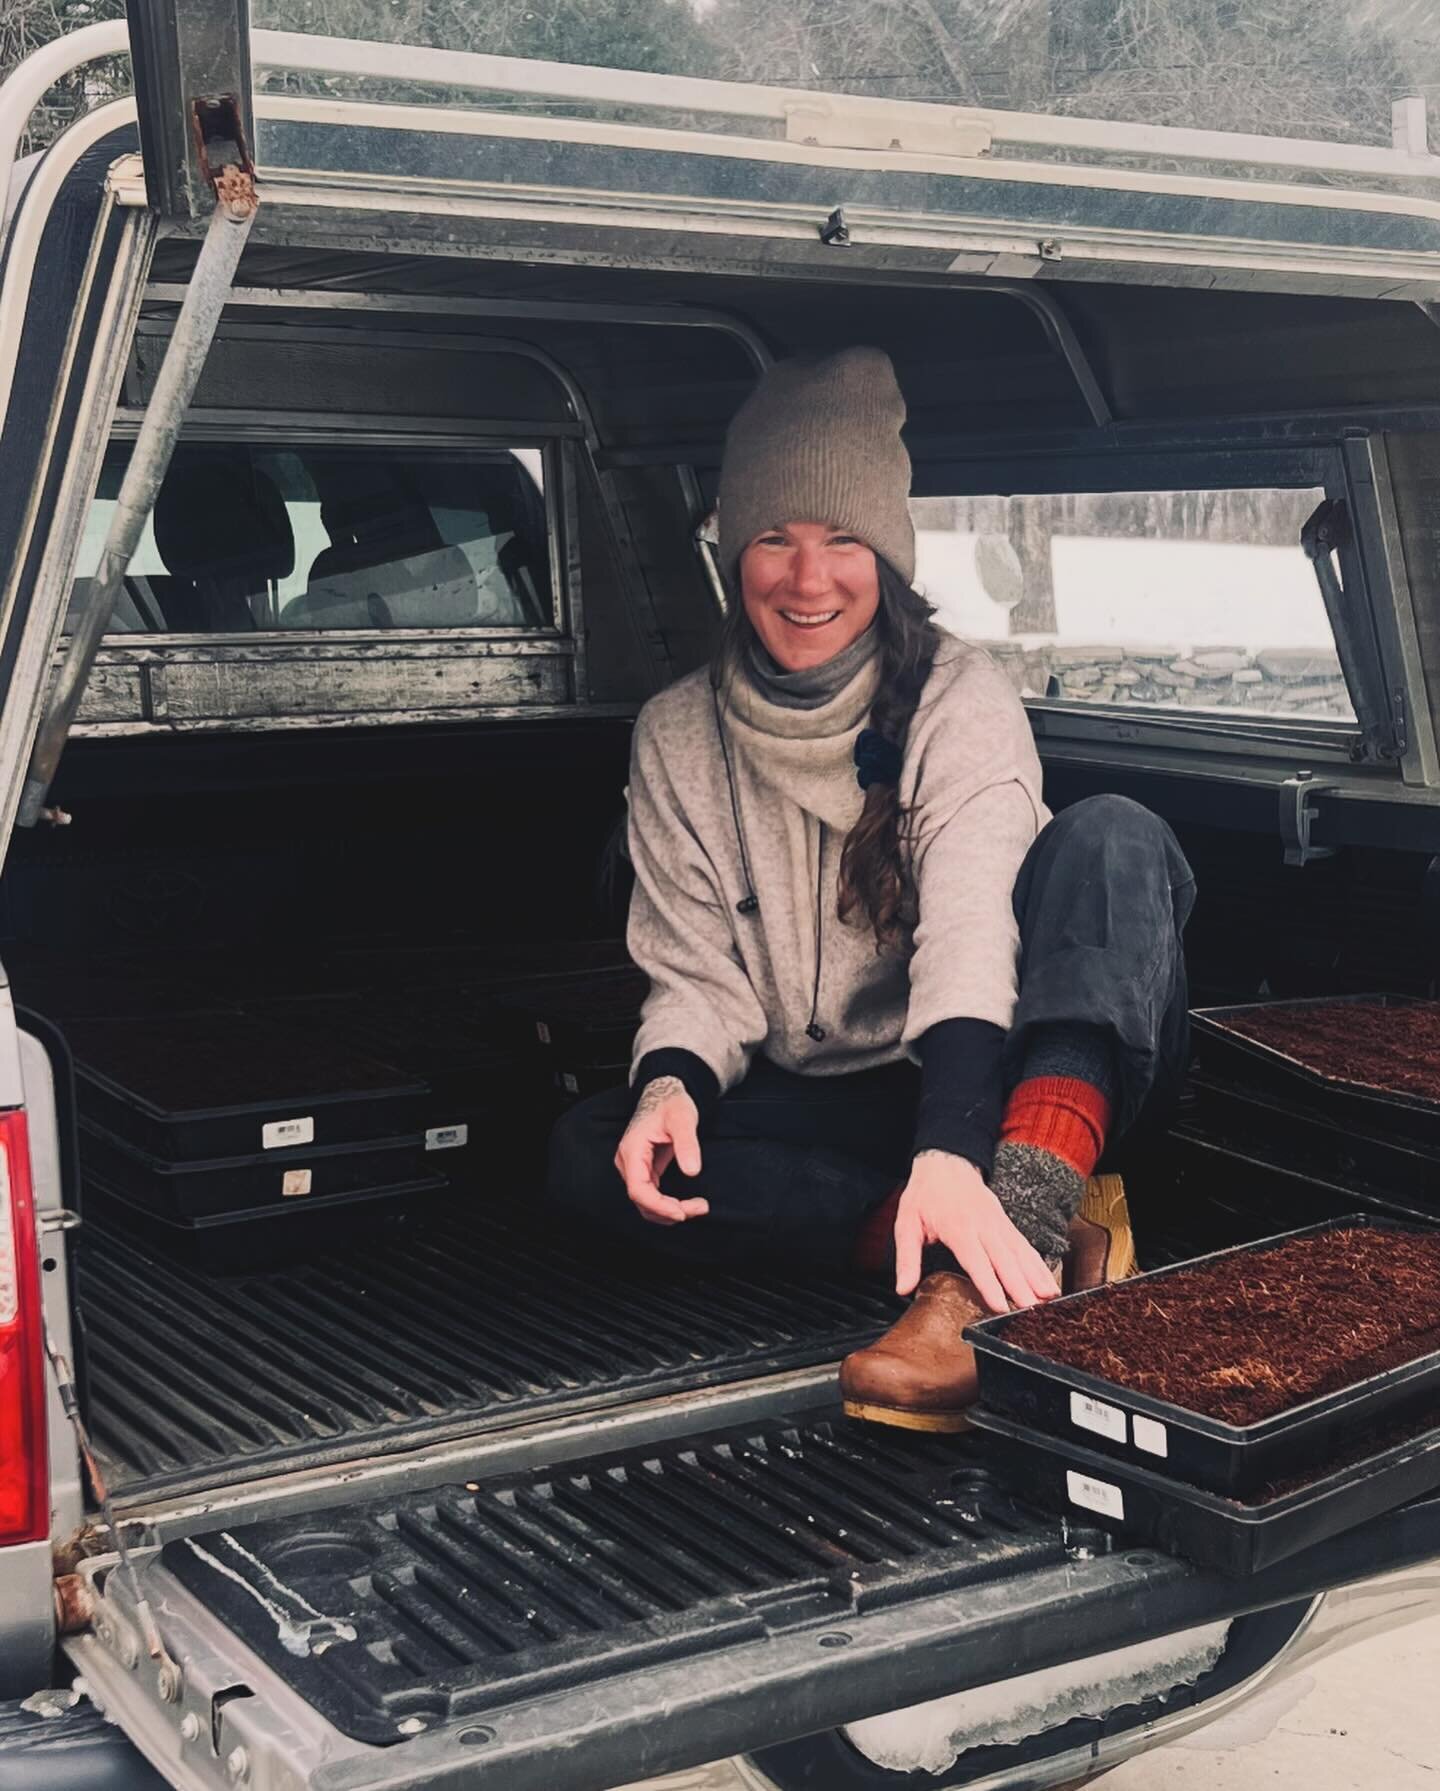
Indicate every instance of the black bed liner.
{"type": "Point", "coordinates": [451, 1322]}
{"type": "Point", "coordinates": [398, 1613]}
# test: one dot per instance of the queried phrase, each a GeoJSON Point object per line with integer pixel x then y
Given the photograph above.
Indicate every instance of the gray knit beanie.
{"type": "Point", "coordinates": [818, 440]}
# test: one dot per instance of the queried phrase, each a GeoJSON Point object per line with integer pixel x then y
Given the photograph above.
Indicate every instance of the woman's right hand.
{"type": "Point", "coordinates": [665, 1128]}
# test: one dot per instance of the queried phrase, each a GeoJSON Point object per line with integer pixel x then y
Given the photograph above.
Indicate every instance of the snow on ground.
{"type": "Point", "coordinates": [1167, 593]}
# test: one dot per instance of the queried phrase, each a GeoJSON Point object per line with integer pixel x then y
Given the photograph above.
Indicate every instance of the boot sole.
{"type": "Point", "coordinates": [899, 1419]}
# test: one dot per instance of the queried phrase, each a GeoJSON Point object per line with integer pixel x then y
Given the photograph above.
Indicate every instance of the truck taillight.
{"type": "Point", "coordinates": [24, 1468]}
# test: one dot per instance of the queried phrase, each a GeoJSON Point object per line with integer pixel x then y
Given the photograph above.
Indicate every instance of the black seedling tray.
{"type": "Point", "coordinates": [228, 1185]}
{"type": "Point", "coordinates": [466, 964]}
{"type": "Point", "coordinates": [1262, 1069]}
{"type": "Point", "coordinates": [193, 1087]}
{"type": "Point", "coordinates": [1343, 1154]}
{"type": "Point", "coordinates": [585, 1020]}
{"type": "Point", "coordinates": [76, 989]}
{"type": "Point", "coordinates": [445, 1039]}
{"type": "Point", "coordinates": [235, 1242]}
{"type": "Point", "coordinates": [1233, 1459]}
{"type": "Point", "coordinates": [575, 1081]}
{"type": "Point", "coordinates": [1203, 1526]}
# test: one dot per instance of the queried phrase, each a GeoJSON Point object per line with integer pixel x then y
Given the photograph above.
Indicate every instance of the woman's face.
{"type": "Point", "coordinates": [808, 591]}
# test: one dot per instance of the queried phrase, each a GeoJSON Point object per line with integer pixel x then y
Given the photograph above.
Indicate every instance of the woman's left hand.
{"type": "Point", "coordinates": [947, 1202]}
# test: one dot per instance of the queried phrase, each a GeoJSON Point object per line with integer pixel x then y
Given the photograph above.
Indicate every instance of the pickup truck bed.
{"type": "Point", "coordinates": [451, 1322]}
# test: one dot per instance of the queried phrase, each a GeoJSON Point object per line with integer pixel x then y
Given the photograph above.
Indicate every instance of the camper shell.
{"type": "Point", "coordinates": [552, 286]}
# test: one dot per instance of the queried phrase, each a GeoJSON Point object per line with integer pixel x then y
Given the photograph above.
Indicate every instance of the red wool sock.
{"type": "Point", "coordinates": [875, 1242]}
{"type": "Point", "coordinates": [1059, 1114]}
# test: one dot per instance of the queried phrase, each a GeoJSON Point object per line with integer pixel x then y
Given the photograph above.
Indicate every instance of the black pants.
{"type": "Point", "coordinates": [793, 1164]}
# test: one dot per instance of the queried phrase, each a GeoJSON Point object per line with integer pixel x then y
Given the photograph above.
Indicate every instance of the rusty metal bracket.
{"type": "Point", "coordinates": [193, 95]}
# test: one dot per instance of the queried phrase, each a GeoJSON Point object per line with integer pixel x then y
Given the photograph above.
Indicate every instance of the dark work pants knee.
{"type": "Point", "coordinates": [791, 1165]}
{"type": "Point", "coordinates": [1102, 900]}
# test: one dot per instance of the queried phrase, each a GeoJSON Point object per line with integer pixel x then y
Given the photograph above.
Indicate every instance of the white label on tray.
{"type": "Point", "coordinates": [1094, 1414]}
{"type": "Point", "coordinates": [1151, 1435]}
{"type": "Point", "coordinates": [296, 1181]}
{"type": "Point", "coordinates": [447, 1137]}
{"type": "Point", "coordinates": [571, 1084]}
{"type": "Point", "coordinates": [542, 1032]}
{"type": "Point", "coordinates": [282, 1132]}
{"type": "Point", "coordinates": [1094, 1495]}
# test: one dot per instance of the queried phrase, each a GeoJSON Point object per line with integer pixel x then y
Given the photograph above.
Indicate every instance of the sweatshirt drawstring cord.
{"type": "Point", "coordinates": [814, 1031]}
{"type": "Point", "coordinates": [750, 902]}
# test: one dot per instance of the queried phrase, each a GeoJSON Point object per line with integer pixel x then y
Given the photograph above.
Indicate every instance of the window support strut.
{"type": "Point", "coordinates": [236, 201]}
{"type": "Point", "coordinates": [1382, 729]}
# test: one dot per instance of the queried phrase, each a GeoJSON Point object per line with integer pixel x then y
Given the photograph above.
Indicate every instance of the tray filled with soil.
{"type": "Point", "coordinates": [193, 1087]}
{"type": "Point", "coordinates": [222, 1185]}
{"type": "Point", "coordinates": [1388, 1467]}
{"type": "Point", "coordinates": [1234, 1369]}
{"type": "Point", "coordinates": [1371, 1061]}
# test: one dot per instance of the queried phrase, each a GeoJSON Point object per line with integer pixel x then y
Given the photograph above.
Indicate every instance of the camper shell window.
{"type": "Point", "coordinates": [1197, 601]}
{"type": "Point", "coordinates": [274, 537]}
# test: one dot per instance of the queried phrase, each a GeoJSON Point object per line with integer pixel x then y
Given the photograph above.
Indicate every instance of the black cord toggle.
{"type": "Point", "coordinates": [815, 1031]}
{"type": "Point", "coordinates": [748, 905]}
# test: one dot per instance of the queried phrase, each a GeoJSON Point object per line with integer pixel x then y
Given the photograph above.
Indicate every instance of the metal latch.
{"type": "Point", "coordinates": [1297, 812]}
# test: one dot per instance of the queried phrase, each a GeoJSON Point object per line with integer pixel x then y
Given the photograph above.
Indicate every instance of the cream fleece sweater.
{"type": "Point", "coordinates": [725, 984]}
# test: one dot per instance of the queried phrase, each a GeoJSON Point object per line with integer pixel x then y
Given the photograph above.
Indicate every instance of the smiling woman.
{"type": "Point", "coordinates": [842, 859]}
{"type": "Point", "coordinates": [808, 591]}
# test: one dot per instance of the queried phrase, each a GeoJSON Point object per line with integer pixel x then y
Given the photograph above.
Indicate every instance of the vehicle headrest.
{"type": "Point", "coordinates": [217, 515]}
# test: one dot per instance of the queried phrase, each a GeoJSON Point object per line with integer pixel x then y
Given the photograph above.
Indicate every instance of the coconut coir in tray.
{"type": "Point", "coordinates": [1393, 1047]}
{"type": "Point", "coordinates": [1255, 1334]}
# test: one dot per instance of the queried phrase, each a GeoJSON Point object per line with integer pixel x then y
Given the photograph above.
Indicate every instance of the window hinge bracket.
{"type": "Point", "coordinates": [1297, 813]}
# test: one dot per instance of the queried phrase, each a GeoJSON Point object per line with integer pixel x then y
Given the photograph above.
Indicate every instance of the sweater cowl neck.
{"type": "Point", "coordinates": [806, 755]}
{"type": "Point", "coordinates": [814, 685]}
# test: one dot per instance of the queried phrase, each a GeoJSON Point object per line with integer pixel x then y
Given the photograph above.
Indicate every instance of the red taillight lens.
{"type": "Point", "coordinates": [24, 1464]}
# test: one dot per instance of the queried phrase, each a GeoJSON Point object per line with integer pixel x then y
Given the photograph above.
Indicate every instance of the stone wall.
{"type": "Point", "coordinates": [1274, 681]}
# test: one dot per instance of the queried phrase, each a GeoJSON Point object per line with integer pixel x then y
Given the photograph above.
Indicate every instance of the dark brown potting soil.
{"type": "Point", "coordinates": [1374, 1441]}
{"type": "Point", "coordinates": [1254, 1334]}
{"type": "Point", "coordinates": [1396, 1049]}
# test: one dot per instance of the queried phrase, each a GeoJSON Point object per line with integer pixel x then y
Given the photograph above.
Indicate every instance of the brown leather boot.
{"type": "Point", "coordinates": [921, 1374]}
{"type": "Point", "coordinates": [1101, 1245]}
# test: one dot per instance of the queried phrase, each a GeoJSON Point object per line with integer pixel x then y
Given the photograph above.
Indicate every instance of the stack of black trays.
{"type": "Point", "coordinates": [1263, 1107]}
{"type": "Point", "coordinates": [1235, 1497]}
{"type": "Point", "coordinates": [224, 1136]}
{"type": "Point", "coordinates": [483, 1099]}
{"type": "Point", "coordinates": [584, 1024]}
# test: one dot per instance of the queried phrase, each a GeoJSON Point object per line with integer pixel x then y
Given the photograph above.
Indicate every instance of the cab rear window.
{"type": "Point", "coordinates": [1199, 600]}
{"type": "Point", "coordinates": [251, 537]}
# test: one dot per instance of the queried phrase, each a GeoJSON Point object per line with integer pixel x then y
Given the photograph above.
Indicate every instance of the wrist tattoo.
{"type": "Point", "coordinates": [656, 1093]}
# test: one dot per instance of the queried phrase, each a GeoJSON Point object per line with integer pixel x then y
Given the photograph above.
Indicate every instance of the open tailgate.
{"type": "Point", "coordinates": [628, 1614]}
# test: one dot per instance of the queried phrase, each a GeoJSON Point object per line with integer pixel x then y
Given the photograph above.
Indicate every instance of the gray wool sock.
{"type": "Point", "coordinates": [1040, 1193]}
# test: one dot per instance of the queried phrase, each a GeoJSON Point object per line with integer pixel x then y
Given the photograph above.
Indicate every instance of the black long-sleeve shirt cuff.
{"type": "Point", "coordinates": [700, 1081]}
{"type": "Point", "coordinates": [962, 1090]}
